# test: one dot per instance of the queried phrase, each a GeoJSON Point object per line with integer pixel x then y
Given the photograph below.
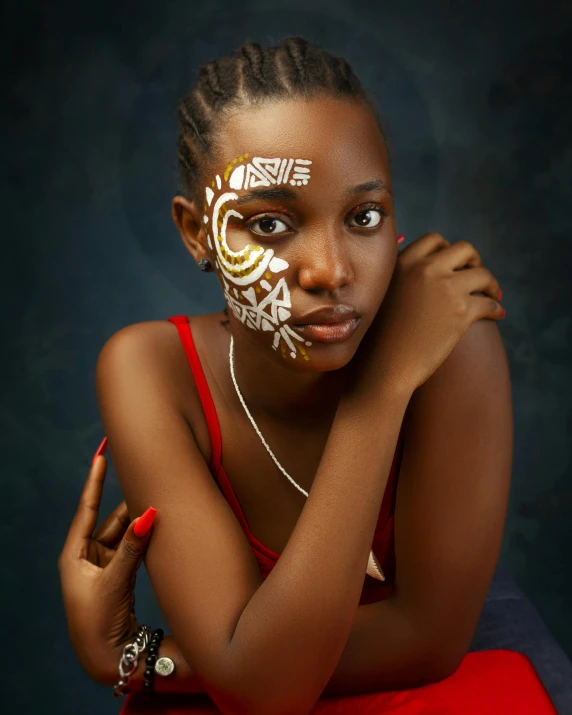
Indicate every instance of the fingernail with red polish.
{"type": "Point", "coordinates": [500, 294]}
{"type": "Point", "coordinates": [503, 313]}
{"type": "Point", "coordinates": [100, 450]}
{"type": "Point", "coordinates": [401, 238]}
{"type": "Point", "coordinates": [145, 522]}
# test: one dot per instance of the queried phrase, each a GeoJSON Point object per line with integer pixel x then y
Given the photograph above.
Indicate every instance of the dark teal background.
{"type": "Point", "coordinates": [477, 101]}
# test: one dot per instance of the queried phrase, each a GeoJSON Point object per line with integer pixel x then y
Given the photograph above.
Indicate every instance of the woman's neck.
{"type": "Point", "coordinates": [272, 389]}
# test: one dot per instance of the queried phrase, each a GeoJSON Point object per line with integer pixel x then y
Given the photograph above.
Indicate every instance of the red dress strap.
{"type": "Point", "coordinates": [181, 322]}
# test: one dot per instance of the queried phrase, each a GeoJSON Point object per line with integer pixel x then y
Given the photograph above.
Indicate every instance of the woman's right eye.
{"type": "Point", "coordinates": [267, 226]}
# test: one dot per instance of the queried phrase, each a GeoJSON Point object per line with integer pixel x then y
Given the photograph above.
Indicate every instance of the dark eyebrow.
{"type": "Point", "coordinates": [285, 193]}
{"type": "Point", "coordinates": [373, 185]}
{"type": "Point", "coordinates": [278, 193]}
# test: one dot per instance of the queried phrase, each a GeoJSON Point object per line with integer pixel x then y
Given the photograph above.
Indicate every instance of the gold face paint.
{"type": "Point", "coordinates": [245, 273]}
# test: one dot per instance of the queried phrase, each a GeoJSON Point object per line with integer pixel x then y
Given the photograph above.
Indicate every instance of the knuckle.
{"type": "Point", "coordinates": [460, 307]}
{"type": "Point", "coordinates": [489, 274]}
{"type": "Point", "coordinates": [425, 267]}
{"type": "Point", "coordinates": [467, 245]}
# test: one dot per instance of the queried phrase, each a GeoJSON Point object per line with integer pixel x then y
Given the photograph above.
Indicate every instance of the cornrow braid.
{"type": "Point", "coordinates": [294, 67]}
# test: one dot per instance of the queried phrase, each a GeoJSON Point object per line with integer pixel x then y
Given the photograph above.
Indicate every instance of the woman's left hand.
{"type": "Point", "coordinates": [97, 573]}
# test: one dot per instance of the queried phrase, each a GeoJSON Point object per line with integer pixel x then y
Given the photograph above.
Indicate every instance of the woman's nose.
{"type": "Point", "coordinates": [325, 264]}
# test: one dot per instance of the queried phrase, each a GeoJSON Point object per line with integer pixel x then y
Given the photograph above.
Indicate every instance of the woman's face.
{"type": "Point", "coordinates": [298, 217]}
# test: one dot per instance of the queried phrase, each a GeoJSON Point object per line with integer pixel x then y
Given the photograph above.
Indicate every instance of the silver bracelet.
{"type": "Point", "coordinates": [130, 659]}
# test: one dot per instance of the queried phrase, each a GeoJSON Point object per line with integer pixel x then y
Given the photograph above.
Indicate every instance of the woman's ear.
{"type": "Point", "coordinates": [188, 218]}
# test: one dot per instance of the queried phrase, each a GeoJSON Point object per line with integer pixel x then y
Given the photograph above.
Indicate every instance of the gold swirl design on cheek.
{"type": "Point", "coordinates": [234, 262]}
{"type": "Point", "coordinates": [238, 259]}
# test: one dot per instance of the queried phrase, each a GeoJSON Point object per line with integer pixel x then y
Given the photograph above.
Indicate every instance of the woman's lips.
{"type": "Point", "coordinates": [328, 332]}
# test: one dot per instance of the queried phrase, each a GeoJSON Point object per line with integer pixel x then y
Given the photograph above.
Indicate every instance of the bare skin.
{"type": "Point", "coordinates": [449, 483]}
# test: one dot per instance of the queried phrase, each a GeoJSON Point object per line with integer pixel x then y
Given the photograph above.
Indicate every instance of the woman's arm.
{"type": "Point", "coordinates": [257, 646]}
{"type": "Point", "coordinates": [383, 652]}
{"type": "Point", "coordinates": [452, 496]}
{"type": "Point", "coordinates": [463, 429]}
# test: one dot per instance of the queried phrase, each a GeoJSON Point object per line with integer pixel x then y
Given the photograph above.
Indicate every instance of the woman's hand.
{"type": "Point", "coordinates": [97, 572]}
{"type": "Point", "coordinates": [429, 305]}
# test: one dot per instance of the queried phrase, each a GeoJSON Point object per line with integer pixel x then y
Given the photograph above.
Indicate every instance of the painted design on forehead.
{"type": "Point", "coordinates": [265, 172]}
{"type": "Point", "coordinates": [253, 266]}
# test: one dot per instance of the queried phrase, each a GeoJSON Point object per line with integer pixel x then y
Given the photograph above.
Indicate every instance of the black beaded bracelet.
{"type": "Point", "coordinates": [150, 660]}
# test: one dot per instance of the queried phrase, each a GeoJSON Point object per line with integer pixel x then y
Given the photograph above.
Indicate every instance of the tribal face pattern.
{"type": "Point", "coordinates": [245, 274]}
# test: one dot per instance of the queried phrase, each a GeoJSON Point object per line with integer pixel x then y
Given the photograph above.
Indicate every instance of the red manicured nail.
{"type": "Point", "coordinates": [500, 294]}
{"type": "Point", "coordinates": [401, 238]}
{"type": "Point", "coordinates": [145, 522]}
{"type": "Point", "coordinates": [100, 450]}
{"type": "Point", "coordinates": [503, 313]}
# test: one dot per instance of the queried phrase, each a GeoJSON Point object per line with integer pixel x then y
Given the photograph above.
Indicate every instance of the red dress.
{"type": "Point", "coordinates": [496, 682]}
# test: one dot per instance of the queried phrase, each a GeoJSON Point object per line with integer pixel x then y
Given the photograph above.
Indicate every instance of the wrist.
{"type": "Point", "coordinates": [182, 680]}
{"type": "Point", "coordinates": [107, 666]}
{"type": "Point", "coordinates": [385, 390]}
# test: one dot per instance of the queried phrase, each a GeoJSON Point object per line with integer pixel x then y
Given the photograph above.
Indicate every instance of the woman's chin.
{"type": "Point", "coordinates": [322, 358]}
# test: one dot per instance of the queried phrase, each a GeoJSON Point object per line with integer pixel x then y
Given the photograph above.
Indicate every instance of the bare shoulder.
{"type": "Point", "coordinates": [149, 357]}
{"type": "Point", "coordinates": [155, 348]}
{"type": "Point", "coordinates": [153, 338]}
{"type": "Point", "coordinates": [475, 375]}
{"type": "Point", "coordinates": [147, 349]}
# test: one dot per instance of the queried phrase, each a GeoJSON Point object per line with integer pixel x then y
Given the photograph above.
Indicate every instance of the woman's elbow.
{"type": "Point", "coordinates": [441, 667]}
{"type": "Point", "coordinates": [258, 700]}
{"type": "Point", "coordinates": [256, 704]}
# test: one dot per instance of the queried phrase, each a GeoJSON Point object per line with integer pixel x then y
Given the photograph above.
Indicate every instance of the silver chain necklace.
{"type": "Point", "coordinates": [373, 566]}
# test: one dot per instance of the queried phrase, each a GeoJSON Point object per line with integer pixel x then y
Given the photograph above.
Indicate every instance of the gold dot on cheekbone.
{"type": "Point", "coordinates": [306, 357]}
{"type": "Point", "coordinates": [268, 275]}
{"type": "Point", "coordinates": [257, 289]}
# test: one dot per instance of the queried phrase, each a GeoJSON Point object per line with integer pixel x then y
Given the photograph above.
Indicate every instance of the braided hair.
{"type": "Point", "coordinates": [295, 67]}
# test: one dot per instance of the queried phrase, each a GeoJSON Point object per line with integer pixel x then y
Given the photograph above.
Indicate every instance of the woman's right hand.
{"type": "Point", "coordinates": [429, 305]}
{"type": "Point", "coordinates": [98, 569]}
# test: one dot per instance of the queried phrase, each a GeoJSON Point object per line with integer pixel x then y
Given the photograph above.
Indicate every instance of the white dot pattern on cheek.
{"type": "Point", "coordinates": [253, 265]}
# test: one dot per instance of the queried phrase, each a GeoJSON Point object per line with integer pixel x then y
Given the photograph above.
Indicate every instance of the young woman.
{"type": "Point", "coordinates": [331, 474]}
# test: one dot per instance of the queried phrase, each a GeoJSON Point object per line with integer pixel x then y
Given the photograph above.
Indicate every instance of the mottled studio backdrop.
{"type": "Point", "coordinates": [476, 99]}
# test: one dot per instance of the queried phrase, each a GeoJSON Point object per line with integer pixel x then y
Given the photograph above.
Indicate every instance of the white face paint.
{"type": "Point", "coordinates": [255, 303]}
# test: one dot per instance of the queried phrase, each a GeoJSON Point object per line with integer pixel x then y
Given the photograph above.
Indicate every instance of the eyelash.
{"type": "Point", "coordinates": [372, 205]}
{"type": "Point", "coordinates": [360, 208]}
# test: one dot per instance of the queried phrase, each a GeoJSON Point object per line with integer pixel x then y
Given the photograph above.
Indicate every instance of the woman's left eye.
{"type": "Point", "coordinates": [268, 224]}
{"type": "Point", "coordinates": [367, 219]}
